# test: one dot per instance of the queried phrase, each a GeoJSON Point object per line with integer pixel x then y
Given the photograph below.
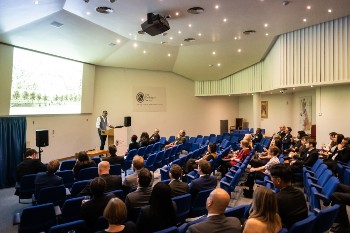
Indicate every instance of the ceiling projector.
{"type": "Point", "coordinates": [155, 24]}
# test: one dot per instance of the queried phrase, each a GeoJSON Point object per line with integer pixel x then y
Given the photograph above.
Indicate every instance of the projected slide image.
{"type": "Point", "coordinates": [43, 84]}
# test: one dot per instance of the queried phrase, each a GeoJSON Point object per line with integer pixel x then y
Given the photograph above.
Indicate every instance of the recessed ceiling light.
{"type": "Point", "coordinates": [181, 44]}
{"type": "Point", "coordinates": [266, 34]}
{"type": "Point", "coordinates": [235, 37]}
{"type": "Point", "coordinates": [266, 25]}
{"type": "Point", "coordinates": [142, 20]}
{"type": "Point", "coordinates": [216, 6]}
{"type": "Point", "coordinates": [118, 41]}
{"type": "Point", "coordinates": [135, 45]}
{"type": "Point", "coordinates": [311, 86]}
{"type": "Point", "coordinates": [225, 20]}
{"type": "Point", "coordinates": [179, 32]}
{"type": "Point", "coordinates": [190, 25]}
{"type": "Point", "coordinates": [213, 52]}
{"type": "Point", "coordinates": [169, 54]}
{"type": "Point", "coordinates": [219, 64]}
{"type": "Point", "coordinates": [239, 50]}
{"type": "Point", "coordinates": [171, 38]}
{"type": "Point", "coordinates": [239, 37]}
{"type": "Point", "coordinates": [177, 13]}
{"type": "Point", "coordinates": [308, 7]}
{"type": "Point", "coordinates": [144, 51]}
{"type": "Point", "coordinates": [329, 10]}
{"type": "Point", "coordinates": [130, 34]}
{"type": "Point", "coordinates": [304, 20]}
{"type": "Point", "coordinates": [88, 13]}
{"type": "Point", "coordinates": [293, 88]}
{"type": "Point", "coordinates": [199, 34]}
{"type": "Point", "coordinates": [36, 2]}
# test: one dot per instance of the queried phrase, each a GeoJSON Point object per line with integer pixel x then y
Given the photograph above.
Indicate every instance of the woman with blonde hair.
{"type": "Point", "coordinates": [116, 214]}
{"type": "Point", "coordinates": [263, 217]}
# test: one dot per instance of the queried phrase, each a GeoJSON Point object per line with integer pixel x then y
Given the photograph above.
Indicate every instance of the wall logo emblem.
{"type": "Point", "coordinates": [140, 97]}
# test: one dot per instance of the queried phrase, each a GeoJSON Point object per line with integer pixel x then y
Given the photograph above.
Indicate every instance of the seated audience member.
{"type": "Point", "coordinates": [235, 157]}
{"type": "Point", "coordinates": [261, 159]}
{"type": "Point", "coordinates": [116, 215]}
{"type": "Point", "coordinates": [155, 137]}
{"type": "Point", "coordinates": [141, 196]}
{"type": "Point", "coordinates": [177, 186]}
{"type": "Point", "coordinates": [114, 158]}
{"type": "Point", "coordinates": [30, 165]}
{"type": "Point", "coordinates": [248, 137]}
{"type": "Point", "coordinates": [113, 182]}
{"type": "Point", "coordinates": [287, 139]}
{"type": "Point", "coordinates": [134, 144]}
{"type": "Point", "coordinates": [83, 161]}
{"type": "Point", "coordinates": [298, 153]}
{"type": "Point", "coordinates": [92, 209]}
{"type": "Point", "coordinates": [216, 221]}
{"type": "Point", "coordinates": [260, 172]}
{"type": "Point", "coordinates": [309, 157]}
{"type": "Point", "coordinates": [257, 136]}
{"type": "Point", "coordinates": [48, 178]}
{"type": "Point", "coordinates": [180, 139]}
{"type": "Point", "coordinates": [325, 149]}
{"type": "Point", "coordinates": [130, 181]}
{"type": "Point", "coordinates": [192, 164]}
{"type": "Point", "coordinates": [328, 154]}
{"type": "Point", "coordinates": [341, 154]}
{"type": "Point", "coordinates": [160, 212]}
{"type": "Point", "coordinates": [144, 139]}
{"type": "Point", "coordinates": [296, 143]}
{"type": "Point", "coordinates": [291, 202]}
{"type": "Point", "coordinates": [204, 181]}
{"type": "Point", "coordinates": [341, 197]}
{"type": "Point", "coordinates": [282, 131]}
{"type": "Point", "coordinates": [263, 215]}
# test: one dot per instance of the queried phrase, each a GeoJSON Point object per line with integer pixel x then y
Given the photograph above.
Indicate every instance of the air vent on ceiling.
{"type": "Point", "coordinates": [104, 10]}
{"type": "Point", "coordinates": [141, 32]}
{"type": "Point", "coordinates": [189, 39]}
{"type": "Point", "coordinates": [56, 24]}
{"type": "Point", "coordinates": [112, 44]}
{"type": "Point", "coordinates": [248, 32]}
{"type": "Point", "coordinates": [195, 10]}
{"type": "Point", "coordinates": [163, 42]}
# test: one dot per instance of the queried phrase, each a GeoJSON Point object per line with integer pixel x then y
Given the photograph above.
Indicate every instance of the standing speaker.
{"type": "Point", "coordinates": [127, 121]}
{"type": "Point", "coordinates": [42, 137]}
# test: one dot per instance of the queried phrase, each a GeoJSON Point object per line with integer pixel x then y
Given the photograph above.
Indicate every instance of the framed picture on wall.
{"type": "Point", "coordinates": [264, 109]}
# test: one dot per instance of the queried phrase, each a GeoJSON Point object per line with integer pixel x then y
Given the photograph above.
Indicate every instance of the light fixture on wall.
{"type": "Point", "coordinates": [283, 90]}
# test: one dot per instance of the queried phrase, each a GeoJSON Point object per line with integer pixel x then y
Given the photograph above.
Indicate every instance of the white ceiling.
{"type": "Point", "coordinates": [87, 38]}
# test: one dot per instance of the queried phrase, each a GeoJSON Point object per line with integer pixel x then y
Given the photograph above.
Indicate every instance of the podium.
{"type": "Point", "coordinates": [118, 137]}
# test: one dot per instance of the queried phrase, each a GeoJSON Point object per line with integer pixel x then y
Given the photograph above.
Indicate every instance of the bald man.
{"type": "Point", "coordinates": [216, 221]}
{"type": "Point", "coordinates": [113, 182]}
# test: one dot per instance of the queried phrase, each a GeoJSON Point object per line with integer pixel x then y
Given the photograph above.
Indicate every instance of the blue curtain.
{"type": "Point", "coordinates": [12, 148]}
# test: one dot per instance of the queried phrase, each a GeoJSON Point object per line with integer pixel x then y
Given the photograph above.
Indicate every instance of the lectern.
{"type": "Point", "coordinates": [118, 137]}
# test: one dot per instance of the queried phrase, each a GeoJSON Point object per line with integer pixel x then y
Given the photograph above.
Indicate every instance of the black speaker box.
{"type": "Point", "coordinates": [155, 25]}
{"type": "Point", "coordinates": [127, 121]}
{"type": "Point", "coordinates": [42, 138]}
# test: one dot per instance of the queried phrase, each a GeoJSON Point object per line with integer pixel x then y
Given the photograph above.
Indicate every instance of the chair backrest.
{"type": "Point", "coordinates": [131, 154]}
{"type": "Point", "coordinates": [157, 147]}
{"type": "Point", "coordinates": [27, 186]}
{"type": "Point", "coordinates": [77, 226]}
{"type": "Point", "coordinates": [237, 211]}
{"type": "Point", "coordinates": [118, 193]}
{"type": "Point", "coordinates": [115, 169]}
{"type": "Point", "coordinates": [148, 150]}
{"type": "Point", "coordinates": [171, 139]}
{"type": "Point", "coordinates": [172, 229]}
{"type": "Point", "coordinates": [162, 140]}
{"type": "Point", "coordinates": [183, 205]}
{"type": "Point", "coordinates": [305, 225]}
{"type": "Point", "coordinates": [88, 173]}
{"type": "Point", "coordinates": [199, 203]}
{"type": "Point", "coordinates": [67, 164]}
{"type": "Point", "coordinates": [37, 218]}
{"type": "Point", "coordinates": [67, 177]}
{"type": "Point", "coordinates": [325, 219]}
{"type": "Point", "coordinates": [71, 209]}
{"type": "Point", "coordinates": [101, 223]}
{"type": "Point", "coordinates": [78, 186]}
{"type": "Point", "coordinates": [141, 151]}
{"type": "Point", "coordinates": [96, 159]}
{"type": "Point", "coordinates": [55, 195]}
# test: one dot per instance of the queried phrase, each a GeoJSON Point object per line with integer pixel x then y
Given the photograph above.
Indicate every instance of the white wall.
{"type": "Point", "coordinates": [246, 109]}
{"type": "Point", "coordinates": [113, 91]}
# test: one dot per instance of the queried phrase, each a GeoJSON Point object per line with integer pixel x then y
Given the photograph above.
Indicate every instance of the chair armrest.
{"type": "Point", "coordinates": [269, 181]}
{"type": "Point", "coordinates": [318, 187]}
{"type": "Point", "coordinates": [316, 210]}
{"type": "Point", "coordinates": [324, 198]}
{"type": "Point", "coordinates": [229, 176]}
{"type": "Point", "coordinates": [225, 183]}
{"type": "Point", "coordinates": [190, 176]}
{"type": "Point", "coordinates": [58, 211]}
{"type": "Point", "coordinates": [312, 178]}
{"type": "Point", "coordinates": [16, 219]}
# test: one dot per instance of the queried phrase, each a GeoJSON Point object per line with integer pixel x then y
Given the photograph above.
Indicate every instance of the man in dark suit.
{"type": "Point", "coordinates": [287, 139]}
{"type": "Point", "coordinates": [204, 181]}
{"type": "Point", "coordinates": [308, 159]}
{"type": "Point", "coordinates": [177, 186]}
{"type": "Point", "coordinates": [114, 158]}
{"type": "Point", "coordinates": [216, 204]}
{"type": "Point", "coordinates": [48, 178]}
{"type": "Point", "coordinates": [30, 165]}
{"type": "Point", "coordinates": [92, 209]}
{"type": "Point", "coordinates": [155, 137]}
{"type": "Point", "coordinates": [113, 182]}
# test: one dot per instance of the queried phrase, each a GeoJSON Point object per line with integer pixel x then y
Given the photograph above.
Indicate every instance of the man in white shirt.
{"type": "Point", "coordinates": [101, 125]}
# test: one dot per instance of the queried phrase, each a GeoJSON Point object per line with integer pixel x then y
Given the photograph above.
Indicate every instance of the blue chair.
{"type": "Point", "coordinates": [55, 195]}
{"type": "Point", "coordinates": [172, 229]}
{"type": "Point", "coordinates": [118, 193]}
{"type": "Point", "coordinates": [162, 140]}
{"type": "Point", "coordinates": [77, 187]}
{"type": "Point", "coordinates": [141, 151]}
{"type": "Point", "coordinates": [88, 173]}
{"type": "Point", "coordinates": [96, 159]}
{"type": "Point", "coordinates": [164, 173]}
{"type": "Point", "coordinates": [39, 218]}
{"type": "Point", "coordinates": [149, 163]}
{"type": "Point", "coordinates": [67, 176]}
{"type": "Point", "coordinates": [305, 225]}
{"type": "Point", "coordinates": [78, 226]}
{"type": "Point", "coordinates": [71, 210]}
{"type": "Point", "coordinates": [198, 207]}
{"type": "Point", "coordinates": [148, 151]}
{"type": "Point", "coordinates": [128, 160]}
{"type": "Point", "coordinates": [26, 187]}
{"type": "Point", "coordinates": [183, 206]}
{"type": "Point", "coordinates": [157, 147]}
{"type": "Point", "coordinates": [166, 156]}
{"type": "Point", "coordinates": [115, 169]}
{"type": "Point", "coordinates": [237, 211]}
{"type": "Point", "coordinates": [183, 228]}
{"type": "Point", "coordinates": [317, 194]}
{"type": "Point", "coordinates": [159, 160]}
{"type": "Point", "coordinates": [229, 184]}
{"type": "Point", "coordinates": [325, 219]}
{"type": "Point", "coordinates": [171, 139]}
{"type": "Point", "coordinates": [67, 164]}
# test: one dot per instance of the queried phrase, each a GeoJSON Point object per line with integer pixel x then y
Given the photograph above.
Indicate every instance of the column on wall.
{"type": "Point", "coordinates": [256, 110]}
